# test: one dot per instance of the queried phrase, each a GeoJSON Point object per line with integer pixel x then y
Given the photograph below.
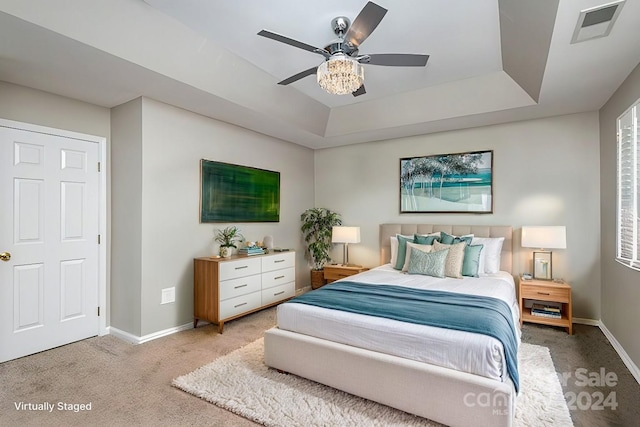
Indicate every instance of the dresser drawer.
{"type": "Point", "coordinates": [278, 261]}
{"type": "Point", "coordinates": [240, 286]}
{"type": "Point", "coordinates": [239, 268]}
{"type": "Point", "coordinates": [545, 293]}
{"type": "Point", "coordinates": [278, 277]}
{"type": "Point", "coordinates": [278, 293]}
{"type": "Point", "coordinates": [238, 305]}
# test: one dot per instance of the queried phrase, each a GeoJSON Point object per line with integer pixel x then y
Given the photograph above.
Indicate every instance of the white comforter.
{"type": "Point", "coordinates": [463, 351]}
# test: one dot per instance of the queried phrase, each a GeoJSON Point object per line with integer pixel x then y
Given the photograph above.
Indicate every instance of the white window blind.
{"type": "Point", "coordinates": [628, 210]}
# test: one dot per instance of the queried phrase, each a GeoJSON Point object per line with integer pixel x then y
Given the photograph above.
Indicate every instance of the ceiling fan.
{"type": "Point", "coordinates": [342, 72]}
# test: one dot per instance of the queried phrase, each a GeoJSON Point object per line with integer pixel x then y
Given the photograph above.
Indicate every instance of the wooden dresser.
{"type": "Point", "coordinates": [227, 288]}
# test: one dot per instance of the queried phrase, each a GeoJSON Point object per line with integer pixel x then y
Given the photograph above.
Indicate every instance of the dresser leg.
{"type": "Point", "coordinates": [195, 322]}
{"type": "Point", "coordinates": [220, 327]}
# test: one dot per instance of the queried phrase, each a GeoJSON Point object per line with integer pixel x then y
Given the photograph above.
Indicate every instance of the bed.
{"type": "Point", "coordinates": [419, 369]}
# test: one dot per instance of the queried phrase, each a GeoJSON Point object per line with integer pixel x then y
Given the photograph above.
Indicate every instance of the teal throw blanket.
{"type": "Point", "coordinates": [462, 312]}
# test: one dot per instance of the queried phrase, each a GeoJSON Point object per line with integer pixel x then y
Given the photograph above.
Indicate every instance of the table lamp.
{"type": "Point", "coordinates": [543, 238]}
{"type": "Point", "coordinates": [345, 235]}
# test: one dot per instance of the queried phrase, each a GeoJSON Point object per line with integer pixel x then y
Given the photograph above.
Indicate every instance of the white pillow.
{"type": "Point", "coordinates": [394, 247]}
{"type": "Point", "coordinates": [414, 246]}
{"type": "Point", "coordinates": [490, 254]}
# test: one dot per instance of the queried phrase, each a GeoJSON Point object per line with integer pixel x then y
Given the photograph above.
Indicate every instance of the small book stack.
{"type": "Point", "coordinates": [250, 250]}
{"type": "Point", "coordinates": [542, 310]}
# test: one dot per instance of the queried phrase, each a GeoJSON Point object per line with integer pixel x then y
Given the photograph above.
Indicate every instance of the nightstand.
{"type": "Point", "coordinates": [549, 291]}
{"type": "Point", "coordinates": [335, 272]}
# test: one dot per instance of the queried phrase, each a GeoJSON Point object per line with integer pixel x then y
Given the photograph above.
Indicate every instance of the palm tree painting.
{"type": "Point", "coordinates": [447, 183]}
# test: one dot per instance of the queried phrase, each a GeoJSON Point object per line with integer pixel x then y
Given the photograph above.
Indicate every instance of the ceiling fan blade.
{"type": "Point", "coordinates": [359, 91]}
{"type": "Point", "coordinates": [398, 59]}
{"type": "Point", "coordinates": [298, 76]}
{"type": "Point", "coordinates": [364, 24]}
{"type": "Point", "coordinates": [289, 41]}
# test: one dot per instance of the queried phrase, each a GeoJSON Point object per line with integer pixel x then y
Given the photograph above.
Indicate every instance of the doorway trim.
{"type": "Point", "coordinates": [103, 302]}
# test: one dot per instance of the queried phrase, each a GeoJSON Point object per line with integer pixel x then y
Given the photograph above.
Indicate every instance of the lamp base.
{"type": "Point", "coordinates": [542, 266]}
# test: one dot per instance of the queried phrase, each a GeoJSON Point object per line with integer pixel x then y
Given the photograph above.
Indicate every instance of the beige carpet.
{"type": "Point", "coordinates": [242, 384]}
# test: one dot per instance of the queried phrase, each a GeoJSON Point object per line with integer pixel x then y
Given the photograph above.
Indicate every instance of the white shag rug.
{"type": "Point", "coordinates": [241, 383]}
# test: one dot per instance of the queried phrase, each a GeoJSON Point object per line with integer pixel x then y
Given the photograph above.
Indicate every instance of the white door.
{"type": "Point", "coordinates": [49, 253]}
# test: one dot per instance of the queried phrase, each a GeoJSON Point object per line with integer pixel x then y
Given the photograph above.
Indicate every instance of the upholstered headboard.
{"type": "Point", "coordinates": [506, 259]}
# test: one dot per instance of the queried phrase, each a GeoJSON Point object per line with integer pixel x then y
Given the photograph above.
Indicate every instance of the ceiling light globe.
{"type": "Point", "coordinates": [340, 75]}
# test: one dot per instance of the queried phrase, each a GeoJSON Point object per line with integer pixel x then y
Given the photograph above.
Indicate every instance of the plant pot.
{"type": "Point", "coordinates": [317, 279]}
{"type": "Point", "coordinates": [225, 251]}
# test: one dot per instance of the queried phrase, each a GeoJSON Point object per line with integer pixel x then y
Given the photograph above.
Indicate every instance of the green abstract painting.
{"type": "Point", "coordinates": [234, 193]}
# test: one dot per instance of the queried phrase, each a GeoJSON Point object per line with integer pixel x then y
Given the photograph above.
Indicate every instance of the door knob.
{"type": "Point", "coordinates": [5, 256]}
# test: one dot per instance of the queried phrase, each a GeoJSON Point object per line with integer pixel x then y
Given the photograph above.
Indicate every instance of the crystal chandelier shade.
{"type": "Point", "coordinates": [340, 75]}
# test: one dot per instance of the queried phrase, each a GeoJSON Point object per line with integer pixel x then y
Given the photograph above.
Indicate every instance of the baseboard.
{"type": "Point", "coordinates": [126, 336]}
{"type": "Point", "coordinates": [303, 290]}
{"type": "Point", "coordinates": [582, 321]}
{"type": "Point", "coordinates": [633, 368]}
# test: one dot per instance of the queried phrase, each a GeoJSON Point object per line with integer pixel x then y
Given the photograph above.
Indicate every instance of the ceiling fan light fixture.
{"type": "Point", "coordinates": [340, 75]}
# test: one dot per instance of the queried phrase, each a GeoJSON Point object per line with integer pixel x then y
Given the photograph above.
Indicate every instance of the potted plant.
{"type": "Point", "coordinates": [317, 224]}
{"type": "Point", "coordinates": [227, 238]}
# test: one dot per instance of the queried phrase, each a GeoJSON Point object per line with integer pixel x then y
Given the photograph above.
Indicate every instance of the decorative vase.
{"type": "Point", "coordinates": [267, 242]}
{"type": "Point", "coordinates": [225, 251]}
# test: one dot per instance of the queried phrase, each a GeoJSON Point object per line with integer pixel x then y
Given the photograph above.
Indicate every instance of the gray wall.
{"type": "Point", "coordinates": [156, 204]}
{"type": "Point", "coordinates": [620, 284]}
{"type": "Point", "coordinates": [546, 172]}
{"type": "Point", "coordinates": [126, 217]}
{"type": "Point", "coordinates": [27, 105]}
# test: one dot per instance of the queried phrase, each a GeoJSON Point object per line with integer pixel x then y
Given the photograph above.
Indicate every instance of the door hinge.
{"type": "Point", "coordinates": [98, 239]}
{"type": "Point", "coordinates": [98, 311]}
{"type": "Point", "coordinates": [98, 166]}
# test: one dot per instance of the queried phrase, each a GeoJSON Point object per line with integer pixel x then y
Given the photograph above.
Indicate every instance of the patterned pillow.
{"type": "Point", "coordinates": [428, 263]}
{"type": "Point", "coordinates": [414, 247]}
{"type": "Point", "coordinates": [453, 264]}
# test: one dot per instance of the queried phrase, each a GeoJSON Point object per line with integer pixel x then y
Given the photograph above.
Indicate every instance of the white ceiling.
{"type": "Point", "coordinates": [491, 61]}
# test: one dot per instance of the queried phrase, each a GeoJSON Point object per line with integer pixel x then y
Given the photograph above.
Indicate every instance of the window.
{"type": "Point", "coordinates": [628, 209]}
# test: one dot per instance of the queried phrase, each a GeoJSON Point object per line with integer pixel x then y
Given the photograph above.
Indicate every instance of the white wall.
{"type": "Point", "coordinates": [173, 142]}
{"type": "Point", "coordinates": [620, 284]}
{"type": "Point", "coordinates": [546, 172]}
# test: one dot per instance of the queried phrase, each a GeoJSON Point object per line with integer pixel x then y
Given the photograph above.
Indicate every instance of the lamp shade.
{"type": "Point", "coordinates": [345, 235]}
{"type": "Point", "coordinates": [544, 237]}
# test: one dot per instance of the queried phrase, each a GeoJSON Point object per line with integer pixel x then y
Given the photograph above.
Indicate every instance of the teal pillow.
{"type": "Point", "coordinates": [402, 251]}
{"type": "Point", "coordinates": [471, 262]}
{"type": "Point", "coordinates": [424, 240]}
{"type": "Point", "coordinates": [448, 239]}
{"type": "Point", "coordinates": [428, 264]}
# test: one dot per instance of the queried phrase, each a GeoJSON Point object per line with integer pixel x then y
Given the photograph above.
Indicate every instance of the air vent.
{"type": "Point", "coordinates": [596, 21]}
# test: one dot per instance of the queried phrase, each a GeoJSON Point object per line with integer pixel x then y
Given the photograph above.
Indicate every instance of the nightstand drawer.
{"type": "Point", "coordinates": [337, 273]}
{"type": "Point", "coordinates": [545, 293]}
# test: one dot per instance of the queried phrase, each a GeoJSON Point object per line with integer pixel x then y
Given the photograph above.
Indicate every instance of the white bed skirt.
{"type": "Point", "coordinates": [444, 395]}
